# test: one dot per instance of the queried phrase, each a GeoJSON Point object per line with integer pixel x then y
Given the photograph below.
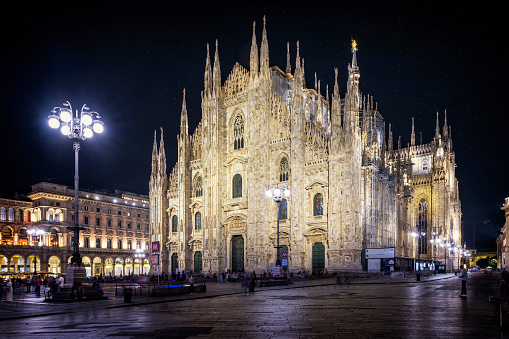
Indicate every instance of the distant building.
{"type": "Point", "coordinates": [503, 238]}
{"type": "Point", "coordinates": [352, 188]}
{"type": "Point", "coordinates": [116, 225]}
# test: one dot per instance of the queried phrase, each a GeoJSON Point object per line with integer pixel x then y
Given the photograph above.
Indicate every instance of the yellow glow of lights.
{"type": "Point", "coordinates": [354, 45]}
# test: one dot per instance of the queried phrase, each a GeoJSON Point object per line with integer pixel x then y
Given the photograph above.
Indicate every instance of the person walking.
{"type": "Point", "coordinates": [28, 281]}
{"type": "Point", "coordinates": [9, 291]}
{"type": "Point", "coordinates": [464, 279]}
{"type": "Point", "coordinates": [38, 283]}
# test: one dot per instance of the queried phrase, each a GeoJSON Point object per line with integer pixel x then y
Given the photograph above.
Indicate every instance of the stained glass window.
{"type": "Point", "coordinates": [423, 226]}
{"type": "Point", "coordinates": [318, 204]}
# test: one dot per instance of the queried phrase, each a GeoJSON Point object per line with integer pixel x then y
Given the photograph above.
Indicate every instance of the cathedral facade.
{"type": "Point", "coordinates": [351, 189]}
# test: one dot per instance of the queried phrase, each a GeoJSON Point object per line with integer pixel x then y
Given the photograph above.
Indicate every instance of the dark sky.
{"type": "Point", "coordinates": [130, 62]}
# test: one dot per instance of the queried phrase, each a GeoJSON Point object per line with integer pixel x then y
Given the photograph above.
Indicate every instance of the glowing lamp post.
{"type": "Point", "coordinates": [77, 127]}
{"type": "Point", "coordinates": [277, 193]}
{"type": "Point", "coordinates": [35, 233]}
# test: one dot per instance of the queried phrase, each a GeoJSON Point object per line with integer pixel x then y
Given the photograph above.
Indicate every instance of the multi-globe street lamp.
{"type": "Point", "coordinates": [35, 233]}
{"type": "Point", "coordinates": [419, 235]}
{"type": "Point", "coordinates": [76, 127]}
{"type": "Point", "coordinates": [277, 193]}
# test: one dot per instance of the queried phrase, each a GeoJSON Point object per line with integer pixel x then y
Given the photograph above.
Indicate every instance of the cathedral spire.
{"type": "Point", "coordinates": [208, 74]}
{"type": "Point", "coordinates": [183, 117]}
{"type": "Point", "coordinates": [389, 146]}
{"type": "Point", "coordinates": [264, 51]}
{"type": "Point", "coordinates": [253, 57]}
{"type": "Point", "coordinates": [288, 65]}
{"type": "Point", "coordinates": [352, 99]}
{"type": "Point", "coordinates": [437, 130]}
{"type": "Point", "coordinates": [216, 79]}
{"type": "Point", "coordinates": [154, 154]}
{"type": "Point", "coordinates": [162, 155]}
{"type": "Point", "coordinates": [412, 137]}
{"type": "Point", "coordinates": [445, 130]}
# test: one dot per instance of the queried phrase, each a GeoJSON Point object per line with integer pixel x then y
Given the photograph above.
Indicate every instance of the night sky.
{"type": "Point", "coordinates": [131, 63]}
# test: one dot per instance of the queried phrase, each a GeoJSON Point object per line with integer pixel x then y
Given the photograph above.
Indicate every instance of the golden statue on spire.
{"type": "Point", "coordinates": [354, 45]}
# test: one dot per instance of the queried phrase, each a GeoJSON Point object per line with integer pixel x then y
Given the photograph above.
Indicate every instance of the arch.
{"type": "Point", "coordinates": [97, 267]}
{"type": "Point", "coordinates": [50, 213]}
{"type": "Point", "coordinates": [3, 214]}
{"type": "Point", "coordinates": [53, 237]}
{"type": "Point", "coordinates": [197, 221]}
{"type": "Point", "coordinates": [238, 132]}
{"type": "Point", "coordinates": [284, 169]}
{"type": "Point", "coordinates": [54, 264]}
{"type": "Point", "coordinates": [198, 186]}
{"type": "Point", "coordinates": [109, 266]}
{"type": "Point", "coordinates": [318, 204]}
{"type": "Point", "coordinates": [10, 215]}
{"type": "Point", "coordinates": [237, 186]}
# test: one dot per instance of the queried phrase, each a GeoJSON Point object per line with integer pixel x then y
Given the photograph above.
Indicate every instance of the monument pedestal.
{"type": "Point", "coordinates": [76, 274]}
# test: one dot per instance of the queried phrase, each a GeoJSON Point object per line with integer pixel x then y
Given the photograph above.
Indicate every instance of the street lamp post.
{"type": "Point", "coordinates": [35, 233]}
{"type": "Point", "coordinates": [277, 193]}
{"type": "Point", "coordinates": [77, 128]}
{"type": "Point", "coordinates": [434, 242]}
{"type": "Point", "coordinates": [419, 236]}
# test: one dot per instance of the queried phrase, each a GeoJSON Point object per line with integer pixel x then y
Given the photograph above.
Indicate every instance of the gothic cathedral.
{"type": "Point", "coordinates": [350, 188]}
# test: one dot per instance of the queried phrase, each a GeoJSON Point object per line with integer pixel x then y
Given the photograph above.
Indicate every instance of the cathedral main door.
{"type": "Point", "coordinates": [174, 262]}
{"type": "Point", "coordinates": [318, 256]}
{"type": "Point", "coordinates": [237, 253]}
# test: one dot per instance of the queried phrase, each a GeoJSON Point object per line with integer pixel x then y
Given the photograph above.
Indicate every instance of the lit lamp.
{"type": "Point", "coordinates": [78, 127]}
{"type": "Point", "coordinates": [35, 233]}
{"type": "Point", "coordinates": [277, 193]}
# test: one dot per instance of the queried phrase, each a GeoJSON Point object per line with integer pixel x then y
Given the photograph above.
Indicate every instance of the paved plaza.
{"type": "Point", "coordinates": [367, 308]}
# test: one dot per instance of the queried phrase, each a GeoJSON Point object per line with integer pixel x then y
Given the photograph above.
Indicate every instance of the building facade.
{"type": "Point", "coordinates": [116, 226]}
{"type": "Point", "coordinates": [351, 188]}
{"type": "Point", "coordinates": [503, 239]}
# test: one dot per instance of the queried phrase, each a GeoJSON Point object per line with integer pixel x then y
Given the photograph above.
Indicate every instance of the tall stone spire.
{"type": "Point", "coordinates": [216, 77]}
{"type": "Point", "coordinates": [288, 65]}
{"type": "Point", "coordinates": [437, 130]}
{"type": "Point", "coordinates": [264, 52]}
{"type": "Point", "coordinates": [412, 137]}
{"type": "Point", "coordinates": [207, 82]}
{"type": "Point", "coordinates": [155, 155]}
{"type": "Point", "coordinates": [445, 129]}
{"type": "Point", "coordinates": [352, 99]}
{"type": "Point", "coordinates": [336, 107]}
{"type": "Point", "coordinates": [389, 142]}
{"type": "Point", "coordinates": [183, 117]}
{"type": "Point", "coordinates": [162, 156]}
{"type": "Point", "coordinates": [253, 56]}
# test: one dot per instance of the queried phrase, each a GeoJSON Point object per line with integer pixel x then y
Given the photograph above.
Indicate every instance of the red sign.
{"type": "Point", "coordinates": [155, 259]}
{"type": "Point", "coordinates": [284, 254]}
{"type": "Point", "coordinates": [155, 246]}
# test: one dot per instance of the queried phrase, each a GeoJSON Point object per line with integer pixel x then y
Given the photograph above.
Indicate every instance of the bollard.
{"type": "Point", "coordinates": [128, 294]}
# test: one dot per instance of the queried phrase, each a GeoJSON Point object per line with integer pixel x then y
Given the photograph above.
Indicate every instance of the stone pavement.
{"type": "Point", "coordinates": [360, 299]}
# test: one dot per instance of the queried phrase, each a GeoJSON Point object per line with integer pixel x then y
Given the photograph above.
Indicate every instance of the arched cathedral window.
{"type": "Point", "coordinates": [283, 210]}
{"type": "Point", "coordinates": [318, 204]}
{"type": "Point", "coordinates": [238, 133]}
{"type": "Point", "coordinates": [284, 170]}
{"type": "Point", "coordinates": [423, 226]}
{"type": "Point", "coordinates": [237, 186]}
{"type": "Point", "coordinates": [174, 223]}
{"type": "Point", "coordinates": [198, 187]}
{"type": "Point", "coordinates": [197, 221]}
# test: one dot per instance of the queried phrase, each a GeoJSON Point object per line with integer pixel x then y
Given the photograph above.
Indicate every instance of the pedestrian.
{"type": "Point", "coordinates": [38, 283]}
{"type": "Point", "coordinates": [60, 282]}
{"type": "Point", "coordinates": [9, 291]}
{"type": "Point", "coordinates": [245, 282]}
{"type": "Point", "coordinates": [28, 281]}
{"type": "Point", "coordinates": [464, 279]}
{"type": "Point", "coordinates": [253, 283]}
